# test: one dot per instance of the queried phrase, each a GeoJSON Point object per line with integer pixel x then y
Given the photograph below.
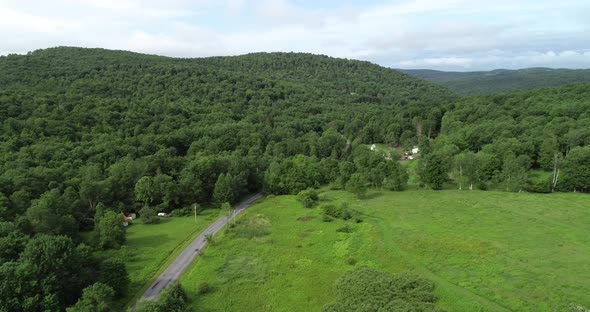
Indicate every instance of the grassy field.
{"type": "Point", "coordinates": [150, 247]}
{"type": "Point", "coordinates": [486, 251]}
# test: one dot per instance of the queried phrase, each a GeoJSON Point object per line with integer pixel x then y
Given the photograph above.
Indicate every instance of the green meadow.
{"type": "Point", "coordinates": [485, 251]}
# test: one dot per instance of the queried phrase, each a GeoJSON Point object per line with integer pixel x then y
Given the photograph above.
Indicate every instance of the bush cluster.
{"type": "Point", "coordinates": [308, 197]}
{"type": "Point", "coordinates": [343, 211]}
{"type": "Point", "coordinates": [367, 289]}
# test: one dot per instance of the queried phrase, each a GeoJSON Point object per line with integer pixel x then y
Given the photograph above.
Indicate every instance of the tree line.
{"type": "Point", "coordinates": [498, 141]}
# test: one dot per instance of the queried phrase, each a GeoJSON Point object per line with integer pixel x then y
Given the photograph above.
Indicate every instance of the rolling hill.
{"type": "Point", "coordinates": [501, 80]}
{"type": "Point", "coordinates": [89, 134]}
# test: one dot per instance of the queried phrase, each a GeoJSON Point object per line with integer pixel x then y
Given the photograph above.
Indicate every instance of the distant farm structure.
{"type": "Point", "coordinates": [390, 153]}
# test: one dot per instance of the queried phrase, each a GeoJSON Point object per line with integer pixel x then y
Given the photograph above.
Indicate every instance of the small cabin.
{"type": "Point", "coordinates": [415, 150]}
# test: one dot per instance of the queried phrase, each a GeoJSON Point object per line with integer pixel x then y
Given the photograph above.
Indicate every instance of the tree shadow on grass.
{"type": "Point", "coordinates": [372, 195]}
{"type": "Point", "coordinates": [149, 241]}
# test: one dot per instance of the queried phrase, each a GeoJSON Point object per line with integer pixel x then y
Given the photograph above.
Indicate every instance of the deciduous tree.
{"type": "Point", "coordinates": [110, 230]}
{"type": "Point", "coordinates": [357, 184]}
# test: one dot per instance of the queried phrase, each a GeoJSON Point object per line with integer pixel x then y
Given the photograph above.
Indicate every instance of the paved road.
{"type": "Point", "coordinates": [179, 265]}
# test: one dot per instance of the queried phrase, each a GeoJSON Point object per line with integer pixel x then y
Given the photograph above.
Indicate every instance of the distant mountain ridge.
{"type": "Point", "coordinates": [501, 80]}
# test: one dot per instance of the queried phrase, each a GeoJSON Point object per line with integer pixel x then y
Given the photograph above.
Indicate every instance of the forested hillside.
{"type": "Point", "coordinates": [88, 134]}
{"type": "Point", "coordinates": [74, 116]}
{"type": "Point", "coordinates": [501, 80]}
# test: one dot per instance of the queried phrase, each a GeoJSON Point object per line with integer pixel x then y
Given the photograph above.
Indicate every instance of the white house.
{"type": "Point", "coordinates": [415, 150]}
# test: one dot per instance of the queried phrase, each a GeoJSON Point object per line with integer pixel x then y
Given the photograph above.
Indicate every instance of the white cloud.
{"type": "Point", "coordinates": [564, 59]}
{"type": "Point", "coordinates": [438, 62]}
{"type": "Point", "coordinates": [443, 34]}
{"type": "Point", "coordinates": [19, 20]}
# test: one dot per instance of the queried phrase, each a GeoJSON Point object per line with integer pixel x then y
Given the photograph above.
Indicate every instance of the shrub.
{"type": "Point", "coordinates": [481, 185]}
{"type": "Point", "coordinates": [334, 186]}
{"type": "Point", "coordinates": [174, 298]}
{"type": "Point", "coordinates": [327, 218]}
{"type": "Point", "coordinates": [149, 215]}
{"type": "Point", "coordinates": [346, 214]}
{"type": "Point", "coordinates": [257, 226]}
{"type": "Point", "coordinates": [305, 218]}
{"type": "Point", "coordinates": [539, 186]}
{"type": "Point", "coordinates": [209, 239]}
{"type": "Point", "coordinates": [308, 197]}
{"type": "Point", "coordinates": [351, 261]}
{"type": "Point", "coordinates": [332, 211]}
{"type": "Point", "coordinates": [343, 212]}
{"type": "Point", "coordinates": [204, 288]}
{"type": "Point", "coordinates": [367, 289]}
{"type": "Point", "coordinates": [345, 229]}
{"type": "Point", "coordinates": [186, 211]}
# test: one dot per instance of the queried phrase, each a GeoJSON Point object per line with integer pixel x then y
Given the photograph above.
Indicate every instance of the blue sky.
{"type": "Point", "coordinates": [438, 34]}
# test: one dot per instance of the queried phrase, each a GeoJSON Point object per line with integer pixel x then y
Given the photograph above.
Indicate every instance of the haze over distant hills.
{"type": "Point", "coordinates": [501, 80]}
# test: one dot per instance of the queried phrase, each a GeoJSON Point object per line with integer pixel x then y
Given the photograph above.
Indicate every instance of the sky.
{"type": "Point", "coordinates": [461, 35]}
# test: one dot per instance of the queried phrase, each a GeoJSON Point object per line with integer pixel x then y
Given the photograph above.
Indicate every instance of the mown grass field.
{"type": "Point", "coordinates": [151, 247]}
{"type": "Point", "coordinates": [486, 251]}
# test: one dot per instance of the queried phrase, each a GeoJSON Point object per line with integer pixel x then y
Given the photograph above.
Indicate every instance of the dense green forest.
{"type": "Point", "coordinates": [501, 80]}
{"type": "Point", "coordinates": [91, 134]}
{"type": "Point", "coordinates": [88, 134]}
{"type": "Point", "coordinates": [498, 138]}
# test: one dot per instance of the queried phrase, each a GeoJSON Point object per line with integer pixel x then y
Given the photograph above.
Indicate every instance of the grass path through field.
{"type": "Point", "coordinates": [446, 287]}
{"type": "Point", "coordinates": [495, 245]}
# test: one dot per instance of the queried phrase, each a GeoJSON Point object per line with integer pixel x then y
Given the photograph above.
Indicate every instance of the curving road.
{"type": "Point", "coordinates": [181, 263]}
